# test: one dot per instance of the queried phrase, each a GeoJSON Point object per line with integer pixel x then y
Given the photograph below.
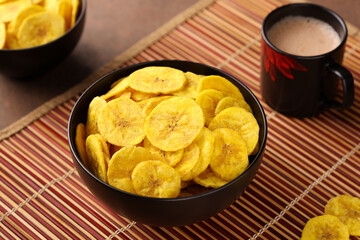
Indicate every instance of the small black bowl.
{"type": "Point", "coordinates": [29, 62]}
{"type": "Point", "coordinates": [160, 211]}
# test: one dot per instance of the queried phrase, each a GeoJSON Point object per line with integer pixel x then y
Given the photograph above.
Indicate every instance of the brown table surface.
{"type": "Point", "coordinates": [111, 27]}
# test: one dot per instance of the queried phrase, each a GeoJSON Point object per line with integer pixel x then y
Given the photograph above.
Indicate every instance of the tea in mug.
{"type": "Point", "coordinates": [303, 36]}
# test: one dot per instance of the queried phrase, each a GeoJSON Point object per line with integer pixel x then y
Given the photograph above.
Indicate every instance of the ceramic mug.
{"type": "Point", "coordinates": [303, 86]}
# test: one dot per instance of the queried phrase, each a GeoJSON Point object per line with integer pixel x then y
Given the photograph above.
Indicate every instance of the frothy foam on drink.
{"type": "Point", "coordinates": [303, 36]}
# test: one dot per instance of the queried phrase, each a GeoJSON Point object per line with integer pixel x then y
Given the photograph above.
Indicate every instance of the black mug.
{"type": "Point", "coordinates": [303, 86]}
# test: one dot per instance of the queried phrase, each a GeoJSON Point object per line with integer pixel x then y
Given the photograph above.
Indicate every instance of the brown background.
{"type": "Point", "coordinates": [111, 27]}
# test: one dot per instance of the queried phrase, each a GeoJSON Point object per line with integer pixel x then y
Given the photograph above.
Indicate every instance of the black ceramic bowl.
{"type": "Point", "coordinates": [172, 211]}
{"type": "Point", "coordinates": [24, 63]}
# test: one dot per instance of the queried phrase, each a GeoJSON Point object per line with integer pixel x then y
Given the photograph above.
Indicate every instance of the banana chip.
{"type": "Point", "coordinates": [80, 138]}
{"type": "Point", "coordinates": [40, 28]}
{"type": "Point", "coordinates": [124, 184]}
{"type": "Point", "coordinates": [169, 157]}
{"type": "Point", "coordinates": [227, 102]}
{"type": "Point", "coordinates": [347, 209]}
{"type": "Point", "coordinates": [152, 103]}
{"type": "Point", "coordinates": [11, 41]}
{"type": "Point", "coordinates": [10, 9]}
{"type": "Point", "coordinates": [156, 179]}
{"type": "Point", "coordinates": [157, 80]}
{"type": "Point", "coordinates": [15, 24]}
{"type": "Point", "coordinates": [209, 179]}
{"type": "Point", "coordinates": [205, 141]}
{"type": "Point", "coordinates": [123, 162]}
{"type": "Point", "coordinates": [241, 121]}
{"type": "Point", "coordinates": [230, 157]}
{"type": "Point", "coordinates": [140, 96]}
{"type": "Point", "coordinates": [65, 9]}
{"type": "Point", "coordinates": [221, 84]}
{"type": "Point", "coordinates": [2, 35]}
{"type": "Point", "coordinates": [121, 122]}
{"type": "Point", "coordinates": [50, 4]}
{"type": "Point", "coordinates": [125, 94]}
{"type": "Point", "coordinates": [75, 9]}
{"type": "Point", "coordinates": [190, 88]}
{"type": "Point", "coordinates": [174, 123]}
{"type": "Point", "coordinates": [188, 161]}
{"type": "Point", "coordinates": [98, 155]}
{"type": "Point", "coordinates": [93, 112]}
{"type": "Point", "coordinates": [325, 227]}
{"type": "Point", "coordinates": [208, 100]}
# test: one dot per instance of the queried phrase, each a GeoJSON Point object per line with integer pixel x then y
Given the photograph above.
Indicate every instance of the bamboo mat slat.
{"type": "Point", "coordinates": [307, 161]}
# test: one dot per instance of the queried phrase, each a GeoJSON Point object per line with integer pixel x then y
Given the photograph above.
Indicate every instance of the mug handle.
{"type": "Point", "coordinates": [347, 84]}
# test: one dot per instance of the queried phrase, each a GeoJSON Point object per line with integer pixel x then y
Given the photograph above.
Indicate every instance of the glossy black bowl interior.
{"type": "Point", "coordinates": [173, 211]}
{"type": "Point", "coordinates": [29, 62]}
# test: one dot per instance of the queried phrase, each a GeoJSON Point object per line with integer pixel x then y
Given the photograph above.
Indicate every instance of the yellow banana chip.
{"type": "Point", "coordinates": [190, 88]}
{"type": "Point", "coordinates": [93, 112]}
{"type": "Point", "coordinates": [174, 123]}
{"type": "Point", "coordinates": [97, 155]}
{"type": "Point", "coordinates": [208, 100]}
{"type": "Point", "coordinates": [121, 122]}
{"type": "Point", "coordinates": [188, 161]}
{"type": "Point", "coordinates": [124, 94]}
{"type": "Point", "coordinates": [156, 179]}
{"type": "Point", "coordinates": [325, 227]}
{"type": "Point", "coordinates": [347, 209]}
{"type": "Point", "coordinates": [124, 184]}
{"type": "Point", "coordinates": [157, 80]}
{"type": "Point", "coordinates": [75, 9]}
{"type": "Point", "coordinates": [209, 179]}
{"type": "Point", "coordinates": [152, 103]}
{"type": "Point", "coordinates": [169, 157]}
{"type": "Point", "coordinates": [241, 121]}
{"type": "Point", "coordinates": [80, 138]}
{"type": "Point", "coordinates": [230, 157]}
{"type": "Point", "coordinates": [11, 41]}
{"type": "Point", "coordinates": [50, 4]}
{"type": "Point", "coordinates": [22, 15]}
{"type": "Point", "coordinates": [2, 35]}
{"type": "Point", "coordinates": [9, 10]}
{"type": "Point", "coordinates": [68, 9]}
{"type": "Point", "coordinates": [227, 102]}
{"type": "Point", "coordinates": [205, 141]}
{"type": "Point", "coordinates": [123, 162]}
{"type": "Point", "coordinates": [40, 28]}
{"type": "Point", "coordinates": [65, 9]}
{"type": "Point", "coordinates": [221, 84]}
{"type": "Point", "coordinates": [139, 96]}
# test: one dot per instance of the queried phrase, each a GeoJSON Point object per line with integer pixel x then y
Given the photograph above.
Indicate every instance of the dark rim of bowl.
{"type": "Point", "coordinates": [256, 157]}
{"type": "Point", "coordinates": [80, 16]}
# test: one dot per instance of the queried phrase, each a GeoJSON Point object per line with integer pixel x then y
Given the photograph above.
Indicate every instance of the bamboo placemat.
{"type": "Point", "coordinates": [306, 162]}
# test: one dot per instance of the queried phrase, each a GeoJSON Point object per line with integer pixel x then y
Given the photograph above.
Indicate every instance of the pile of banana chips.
{"type": "Point", "coordinates": [30, 23]}
{"type": "Point", "coordinates": [165, 133]}
{"type": "Point", "coordinates": [340, 221]}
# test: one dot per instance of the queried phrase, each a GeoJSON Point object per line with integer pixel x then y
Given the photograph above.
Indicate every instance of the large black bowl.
{"type": "Point", "coordinates": [173, 211]}
{"type": "Point", "coordinates": [29, 62]}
